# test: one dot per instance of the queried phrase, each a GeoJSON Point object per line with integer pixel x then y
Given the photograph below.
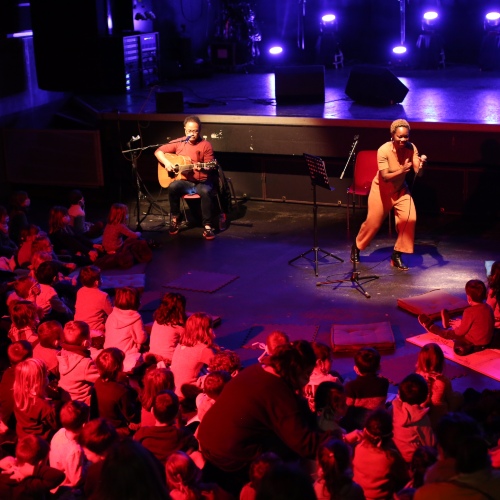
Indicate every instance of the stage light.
{"type": "Point", "coordinates": [328, 44]}
{"type": "Point", "coordinates": [399, 50]}
{"type": "Point", "coordinates": [492, 21]}
{"type": "Point", "coordinates": [275, 50]}
{"type": "Point", "coordinates": [430, 49]}
{"type": "Point", "coordinates": [489, 56]}
{"type": "Point", "coordinates": [430, 20]}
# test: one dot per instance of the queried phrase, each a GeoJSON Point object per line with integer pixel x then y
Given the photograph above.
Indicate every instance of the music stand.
{"type": "Point", "coordinates": [319, 177]}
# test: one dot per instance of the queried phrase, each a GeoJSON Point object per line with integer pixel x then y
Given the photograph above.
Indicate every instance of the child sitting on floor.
{"type": "Point", "coordinates": [92, 304]}
{"type": "Point", "coordinates": [125, 328]}
{"type": "Point", "coordinates": [26, 475]}
{"type": "Point", "coordinates": [212, 387]}
{"type": "Point", "coordinates": [123, 246]}
{"type": "Point", "coordinates": [66, 454]}
{"type": "Point", "coordinates": [52, 306]}
{"type": "Point", "coordinates": [321, 373]}
{"type": "Point", "coordinates": [165, 436]}
{"type": "Point", "coordinates": [77, 370]}
{"type": "Point", "coordinates": [273, 340]}
{"type": "Point", "coordinates": [474, 331]}
{"type": "Point", "coordinates": [112, 396]}
{"type": "Point", "coordinates": [24, 288]}
{"type": "Point", "coordinates": [441, 398]}
{"type": "Point", "coordinates": [412, 426]}
{"type": "Point", "coordinates": [169, 321]}
{"type": "Point", "coordinates": [368, 391]}
{"type": "Point", "coordinates": [493, 298]}
{"type": "Point", "coordinates": [50, 336]}
{"type": "Point", "coordinates": [76, 211]}
{"type": "Point", "coordinates": [155, 380]}
{"type": "Point", "coordinates": [25, 320]}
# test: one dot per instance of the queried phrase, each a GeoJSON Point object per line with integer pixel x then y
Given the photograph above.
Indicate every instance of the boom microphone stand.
{"type": "Point", "coordinates": [354, 276]}
{"type": "Point", "coordinates": [134, 154]}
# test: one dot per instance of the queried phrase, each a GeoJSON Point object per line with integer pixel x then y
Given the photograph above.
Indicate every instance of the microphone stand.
{"type": "Point", "coordinates": [351, 155]}
{"type": "Point", "coordinates": [134, 154]}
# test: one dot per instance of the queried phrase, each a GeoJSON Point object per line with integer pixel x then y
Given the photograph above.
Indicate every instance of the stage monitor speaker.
{"type": "Point", "coordinates": [375, 85]}
{"type": "Point", "coordinates": [299, 84]}
{"type": "Point", "coordinates": [169, 102]}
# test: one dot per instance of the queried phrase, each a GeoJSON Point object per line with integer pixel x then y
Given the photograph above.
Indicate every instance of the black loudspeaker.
{"type": "Point", "coordinates": [169, 102]}
{"type": "Point", "coordinates": [375, 85]}
{"type": "Point", "coordinates": [299, 84]}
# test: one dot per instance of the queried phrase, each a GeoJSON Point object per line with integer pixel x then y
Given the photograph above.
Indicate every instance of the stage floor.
{"type": "Point", "coordinates": [454, 95]}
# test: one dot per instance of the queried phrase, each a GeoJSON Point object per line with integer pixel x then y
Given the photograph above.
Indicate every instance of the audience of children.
{"type": "Point", "coordinates": [420, 447]}
{"type": "Point", "coordinates": [474, 331]}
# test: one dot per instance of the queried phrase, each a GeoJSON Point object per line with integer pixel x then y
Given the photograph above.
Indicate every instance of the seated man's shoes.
{"type": "Point", "coordinates": [445, 318]}
{"type": "Point", "coordinates": [208, 233]}
{"type": "Point", "coordinates": [354, 254]}
{"type": "Point", "coordinates": [174, 226]}
{"type": "Point", "coordinates": [397, 262]}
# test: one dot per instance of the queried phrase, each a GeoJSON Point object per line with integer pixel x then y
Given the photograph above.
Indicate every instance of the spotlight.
{"type": "Point", "coordinates": [328, 45]}
{"type": "Point", "coordinates": [489, 57]}
{"type": "Point", "coordinates": [275, 50]}
{"type": "Point", "coordinates": [430, 50]}
{"type": "Point", "coordinates": [492, 21]}
{"type": "Point", "coordinates": [430, 20]}
{"type": "Point", "coordinates": [399, 50]}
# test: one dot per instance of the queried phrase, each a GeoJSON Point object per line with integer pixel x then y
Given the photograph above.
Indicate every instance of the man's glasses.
{"type": "Point", "coordinates": [191, 131]}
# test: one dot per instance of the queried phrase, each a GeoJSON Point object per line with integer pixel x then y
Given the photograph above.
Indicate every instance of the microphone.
{"type": "Point", "coordinates": [188, 137]}
{"type": "Point", "coordinates": [135, 138]}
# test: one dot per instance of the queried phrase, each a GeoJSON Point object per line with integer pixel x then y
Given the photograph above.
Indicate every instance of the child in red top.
{"type": "Point", "coordinates": [474, 331]}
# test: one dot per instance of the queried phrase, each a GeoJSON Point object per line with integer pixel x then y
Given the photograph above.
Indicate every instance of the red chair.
{"type": "Point", "coordinates": [365, 169]}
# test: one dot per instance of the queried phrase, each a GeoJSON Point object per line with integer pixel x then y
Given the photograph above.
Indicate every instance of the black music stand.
{"type": "Point", "coordinates": [319, 177]}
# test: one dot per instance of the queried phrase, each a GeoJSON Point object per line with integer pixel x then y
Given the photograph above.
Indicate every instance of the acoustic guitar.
{"type": "Point", "coordinates": [181, 164]}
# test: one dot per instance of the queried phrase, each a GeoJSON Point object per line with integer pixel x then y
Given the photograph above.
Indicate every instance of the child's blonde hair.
{"type": "Point", "coordinates": [430, 359]}
{"type": "Point", "coordinates": [30, 382]}
{"type": "Point", "coordinates": [117, 213]}
{"type": "Point", "coordinates": [198, 330]}
{"type": "Point", "coordinates": [183, 475]}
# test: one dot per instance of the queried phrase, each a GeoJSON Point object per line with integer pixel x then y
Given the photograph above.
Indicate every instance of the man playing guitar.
{"type": "Point", "coordinates": [200, 179]}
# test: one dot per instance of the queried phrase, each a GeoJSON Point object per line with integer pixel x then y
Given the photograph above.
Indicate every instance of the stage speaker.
{"type": "Point", "coordinates": [299, 84]}
{"type": "Point", "coordinates": [375, 85]}
{"type": "Point", "coordinates": [169, 102]}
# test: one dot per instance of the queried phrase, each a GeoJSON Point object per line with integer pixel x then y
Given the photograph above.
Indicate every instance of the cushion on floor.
{"type": "Point", "coordinates": [431, 303]}
{"type": "Point", "coordinates": [110, 283]}
{"type": "Point", "coordinates": [350, 338]}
